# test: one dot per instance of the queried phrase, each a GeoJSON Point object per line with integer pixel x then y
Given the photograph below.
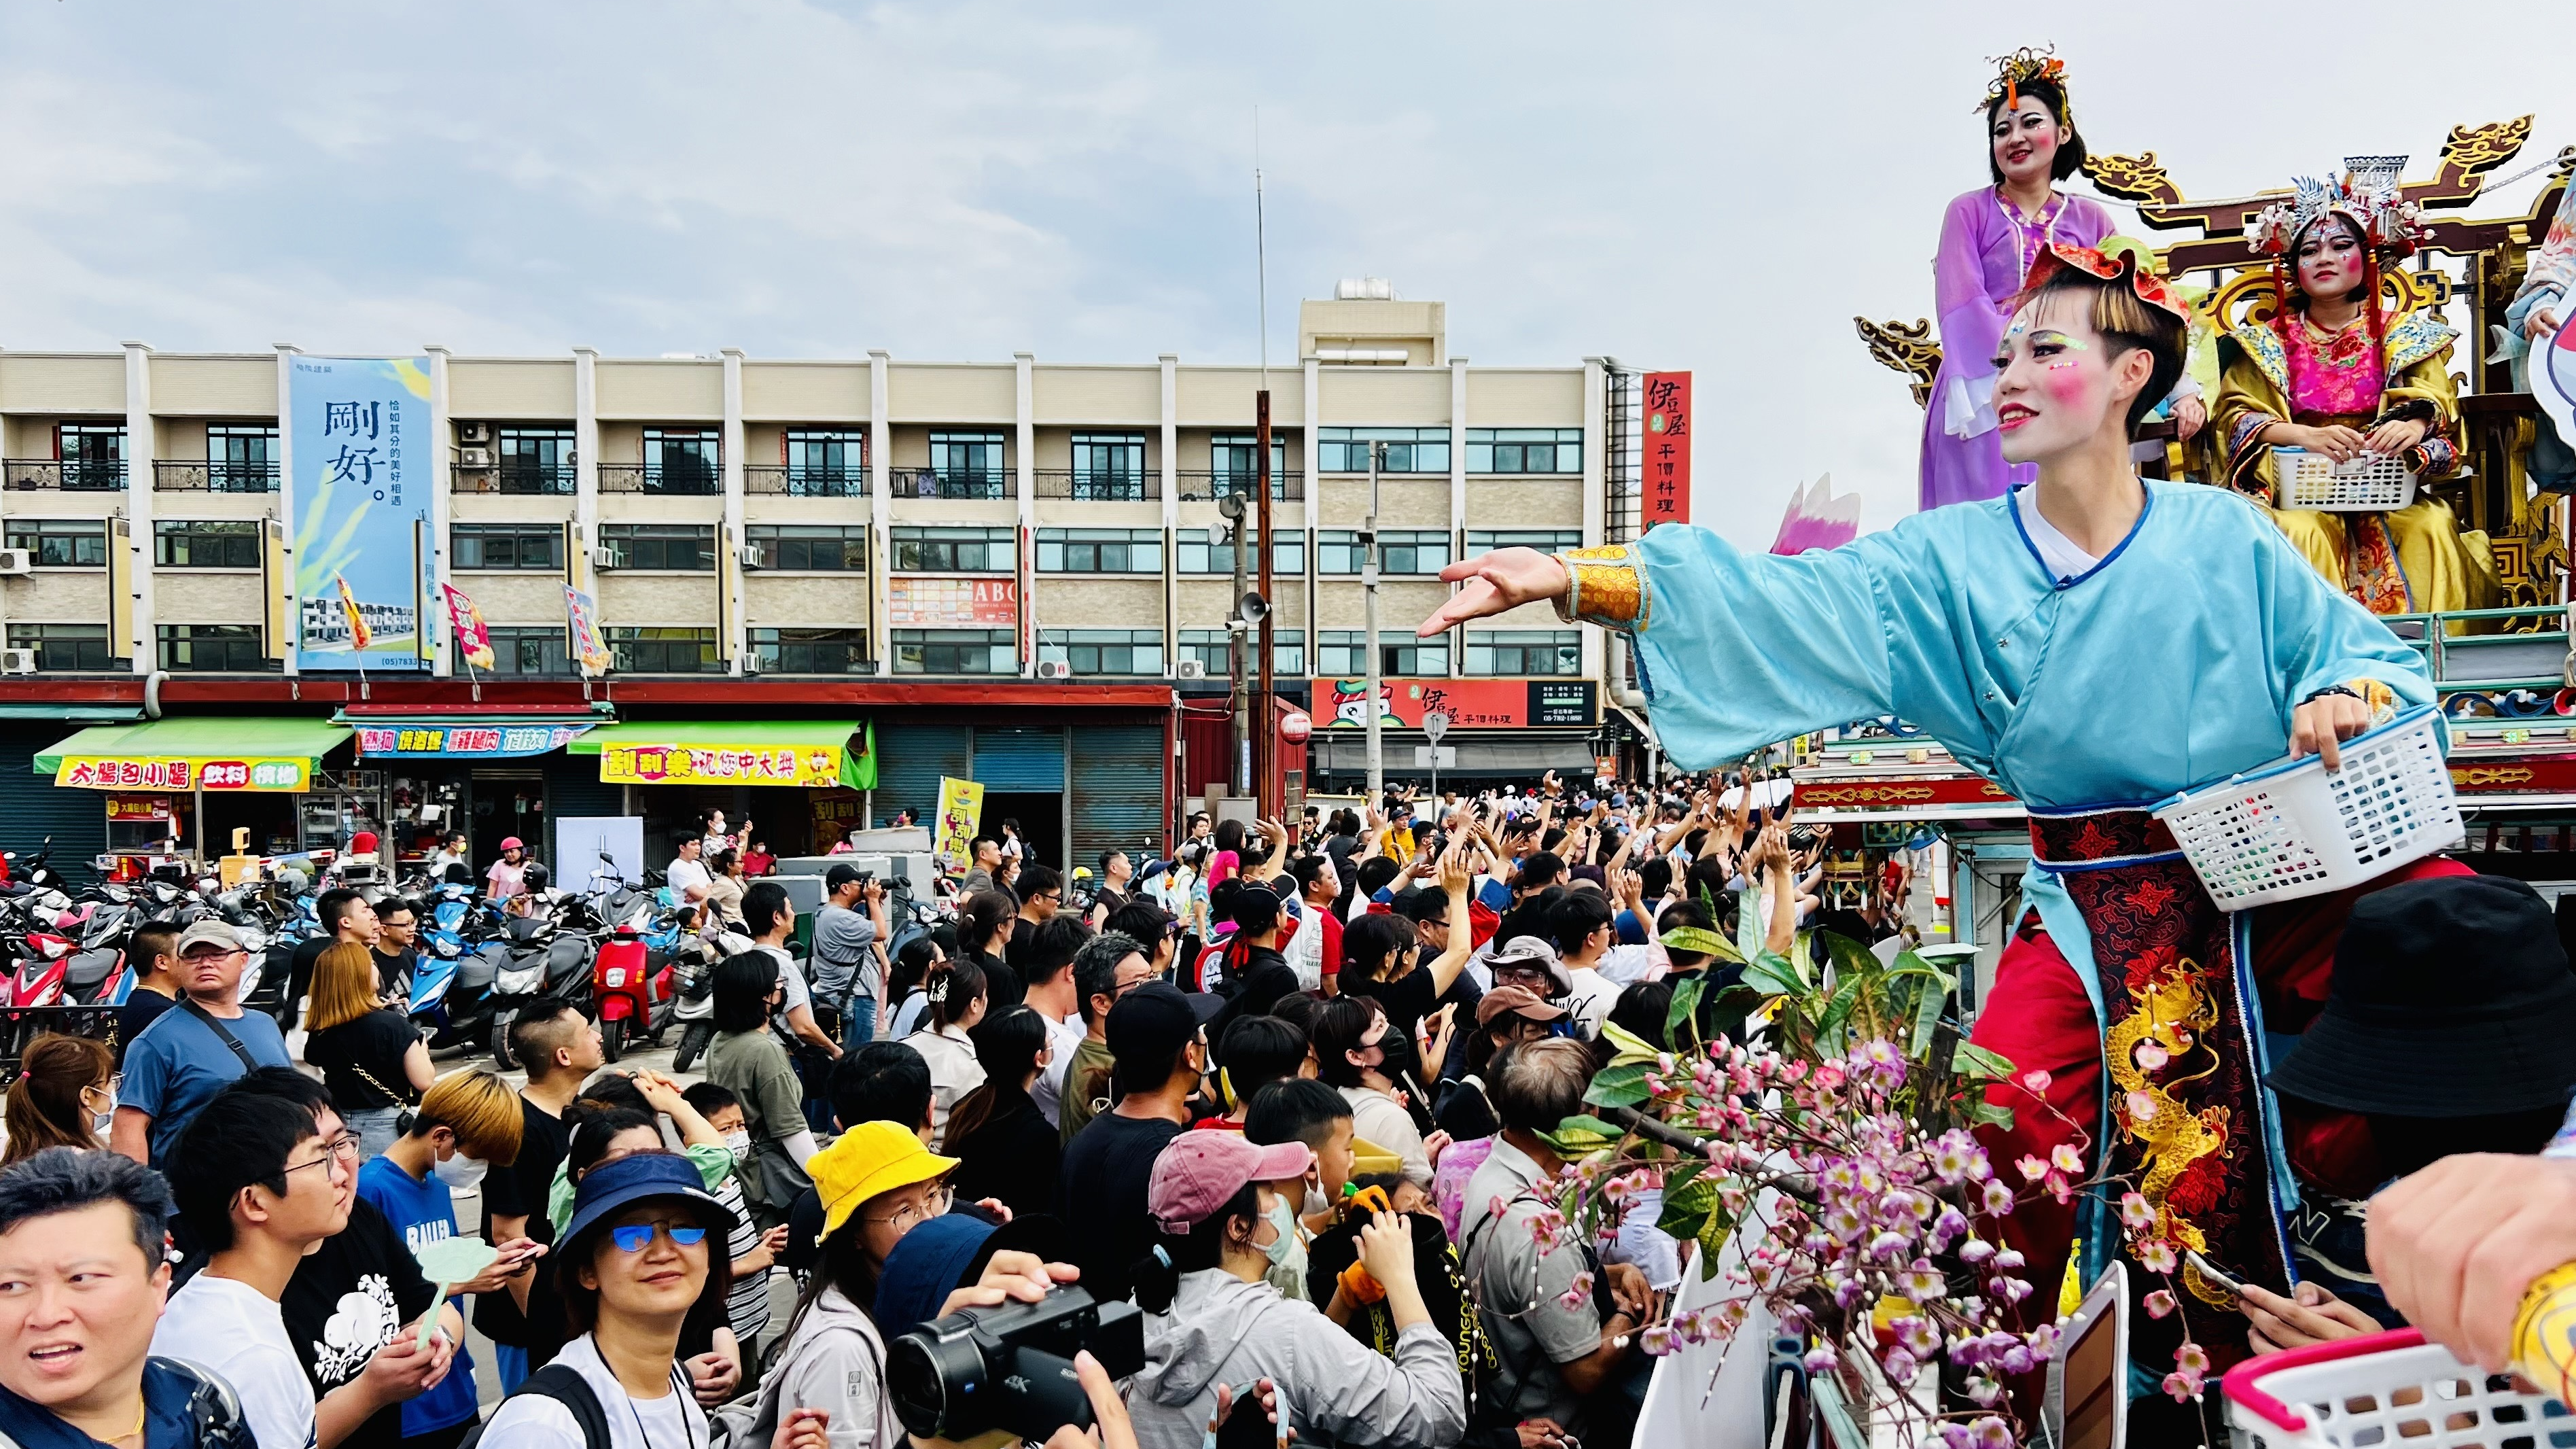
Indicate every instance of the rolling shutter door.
{"type": "Point", "coordinates": [34, 808]}
{"type": "Point", "coordinates": [1118, 790]}
{"type": "Point", "coordinates": [910, 760]}
{"type": "Point", "coordinates": [1029, 761]}
{"type": "Point", "coordinates": [574, 790]}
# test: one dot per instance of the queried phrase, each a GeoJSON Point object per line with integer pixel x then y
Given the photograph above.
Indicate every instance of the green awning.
{"type": "Point", "coordinates": [817, 754]}
{"type": "Point", "coordinates": [72, 713]}
{"type": "Point", "coordinates": [195, 753]}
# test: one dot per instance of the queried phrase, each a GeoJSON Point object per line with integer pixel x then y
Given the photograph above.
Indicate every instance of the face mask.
{"type": "Point", "coordinates": [1315, 1201]}
{"type": "Point", "coordinates": [739, 1144]}
{"type": "Point", "coordinates": [460, 1171]}
{"type": "Point", "coordinates": [101, 1122]}
{"type": "Point", "coordinates": [1285, 1250]}
{"type": "Point", "coordinates": [1398, 1048]}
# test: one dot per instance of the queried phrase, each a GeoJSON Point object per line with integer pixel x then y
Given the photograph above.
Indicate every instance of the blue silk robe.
{"type": "Point", "coordinates": [2175, 662]}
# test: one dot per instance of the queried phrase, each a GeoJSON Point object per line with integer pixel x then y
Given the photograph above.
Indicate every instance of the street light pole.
{"type": "Point", "coordinates": [1368, 602]}
{"type": "Point", "coordinates": [1238, 767]}
{"type": "Point", "coordinates": [1265, 747]}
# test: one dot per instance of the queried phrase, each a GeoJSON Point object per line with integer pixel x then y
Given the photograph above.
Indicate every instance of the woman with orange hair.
{"type": "Point", "coordinates": [371, 1058]}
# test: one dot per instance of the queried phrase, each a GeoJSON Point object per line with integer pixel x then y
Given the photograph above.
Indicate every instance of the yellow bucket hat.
{"type": "Point", "coordinates": [870, 1158]}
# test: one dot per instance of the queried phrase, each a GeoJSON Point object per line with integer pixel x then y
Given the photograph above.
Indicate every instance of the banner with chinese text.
{"type": "Point", "coordinates": [357, 504]}
{"type": "Point", "coordinates": [811, 766]}
{"type": "Point", "coordinates": [961, 810]}
{"type": "Point", "coordinates": [1667, 450]}
{"type": "Point", "coordinates": [1471, 704]}
{"type": "Point", "coordinates": [581, 632]}
{"type": "Point", "coordinates": [465, 622]}
{"type": "Point", "coordinates": [951, 603]}
{"type": "Point", "coordinates": [179, 773]}
{"type": "Point", "coordinates": [467, 740]}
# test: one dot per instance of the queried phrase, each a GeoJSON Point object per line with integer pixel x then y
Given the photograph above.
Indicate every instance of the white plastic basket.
{"type": "Point", "coordinates": [2371, 483]}
{"type": "Point", "coordinates": [2386, 1391]}
{"type": "Point", "coordinates": [2295, 829]}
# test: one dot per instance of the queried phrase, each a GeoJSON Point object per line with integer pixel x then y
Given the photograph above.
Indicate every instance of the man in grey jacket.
{"type": "Point", "coordinates": [845, 977]}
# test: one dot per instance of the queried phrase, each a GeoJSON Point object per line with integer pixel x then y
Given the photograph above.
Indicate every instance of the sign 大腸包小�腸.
{"type": "Point", "coordinates": [1470, 704]}
{"type": "Point", "coordinates": [178, 773]}
{"type": "Point", "coordinates": [356, 503]}
{"type": "Point", "coordinates": [799, 765]}
{"type": "Point", "coordinates": [466, 741]}
{"type": "Point", "coordinates": [1666, 464]}
{"type": "Point", "coordinates": [138, 807]}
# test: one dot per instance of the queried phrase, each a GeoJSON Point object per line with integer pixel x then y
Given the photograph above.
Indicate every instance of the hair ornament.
{"type": "Point", "coordinates": [2367, 194]}
{"type": "Point", "coordinates": [2151, 288]}
{"type": "Point", "coordinates": [2018, 69]}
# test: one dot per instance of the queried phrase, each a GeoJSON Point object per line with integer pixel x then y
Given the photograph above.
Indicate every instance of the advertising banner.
{"type": "Point", "coordinates": [467, 740]}
{"type": "Point", "coordinates": [180, 773]}
{"type": "Point", "coordinates": [581, 632]}
{"type": "Point", "coordinates": [961, 809]}
{"type": "Point", "coordinates": [926, 603]}
{"type": "Point", "coordinates": [1668, 449]}
{"type": "Point", "coordinates": [1470, 704]}
{"type": "Point", "coordinates": [357, 502]}
{"type": "Point", "coordinates": [836, 814]}
{"type": "Point", "coordinates": [811, 766]}
{"type": "Point", "coordinates": [465, 622]}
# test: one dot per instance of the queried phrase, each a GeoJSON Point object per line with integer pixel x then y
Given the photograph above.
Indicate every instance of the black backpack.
{"type": "Point", "coordinates": [560, 1383]}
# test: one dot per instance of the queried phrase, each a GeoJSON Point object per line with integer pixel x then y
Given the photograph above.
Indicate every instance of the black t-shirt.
{"type": "Point", "coordinates": [1405, 1000]}
{"type": "Point", "coordinates": [519, 1190]}
{"type": "Point", "coordinates": [307, 952]}
{"type": "Point", "coordinates": [394, 972]}
{"type": "Point", "coordinates": [371, 1046]}
{"type": "Point", "coordinates": [1107, 1167]}
{"type": "Point", "coordinates": [138, 1012]}
{"type": "Point", "coordinates": [343, 1304]}
{"type": "Point", "coordinates": [1003, 984]}
{"type": "Point", "coordinates": [1465, 1112]}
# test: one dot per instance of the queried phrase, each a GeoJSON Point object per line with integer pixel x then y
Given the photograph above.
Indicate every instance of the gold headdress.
{"type": "Point", "coordinates": [2020, 68]}
{"type": "Point", "coordinates": [2367, 195]}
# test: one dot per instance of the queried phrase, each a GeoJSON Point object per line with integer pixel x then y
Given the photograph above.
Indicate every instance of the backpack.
{"type": "Point", "coordinates": [214, 1413]}
{"type": "Point", "coordinates": [560, 1383]}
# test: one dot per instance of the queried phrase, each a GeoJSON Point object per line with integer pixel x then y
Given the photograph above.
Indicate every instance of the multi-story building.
{"type": "Point", "coordinates": [1015, 571]}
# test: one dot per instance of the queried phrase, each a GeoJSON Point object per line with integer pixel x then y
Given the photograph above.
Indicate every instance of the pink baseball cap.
{"type": "Point", "coordinates": [512, 843]}
{"type": "Point", "coordinates": [1200, 1172]}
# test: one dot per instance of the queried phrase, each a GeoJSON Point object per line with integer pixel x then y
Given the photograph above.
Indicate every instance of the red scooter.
{"type": "Point", "coordinates": [634, 995]}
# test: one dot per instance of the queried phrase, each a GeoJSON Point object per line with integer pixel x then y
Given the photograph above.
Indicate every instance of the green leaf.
{"type": "Point", "coordinates": [1927, 1017]}
{"type": "Point", "coordinates": [1703, 941]}
{"type": "Point", "coordinates": [1684, 1220]}
{"type": "Point", "coordinates": [1838, 1010]}
{"type": "Point", "coordinates": [1619, 1085]}
{"type": "Point", "coordinates": [1685, 1010]}
{"type": "Point", "coordinates": [1632, 1048]}
{"type": "Point", "coordinates": [1989, 1114]}
{"type": "Point", "coordinates": [1773, 974]}
{"type": "Point", "coordinates": [1975, 1061]}
{"type": "Point", "coordinates": [1712, 1237]}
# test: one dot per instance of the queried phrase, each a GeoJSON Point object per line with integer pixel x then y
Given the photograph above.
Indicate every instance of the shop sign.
{"type": "Point", "coordinates": [178, 772]}
{"type": "Point", "coordinates": [1470, 704]}
{"type": "Point", "coordinates": [806, 765]}
{"type": "Point", "coordinates": [356, 505]}
{"type": "Point", "coordinates": [961, 810]}
{"type": "Point", "coordinates": [137, 807]}
{"type": "Point", "coordinates": [939, 603]}
{"type": "Point", "coordinates": [836, 813]}
{"type": "Point", "coordinates": [467, 741]}
{"type": "Point", "coordinates": [1667, 479]}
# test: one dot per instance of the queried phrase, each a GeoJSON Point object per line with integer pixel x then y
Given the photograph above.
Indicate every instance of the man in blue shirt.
{"type": "Point", "coordinates": [189, 1052]}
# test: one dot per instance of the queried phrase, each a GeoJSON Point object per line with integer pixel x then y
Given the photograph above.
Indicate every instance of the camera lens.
{"type": "Point", "coordinates": [937, 1382]}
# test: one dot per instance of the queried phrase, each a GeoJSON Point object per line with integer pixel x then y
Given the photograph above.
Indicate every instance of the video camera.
{"type": "Point", "coordinates": [1010, 1366]}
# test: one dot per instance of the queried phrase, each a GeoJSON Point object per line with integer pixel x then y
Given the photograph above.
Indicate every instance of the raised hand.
{"type": "Point", "coordinates": [1504, 579]}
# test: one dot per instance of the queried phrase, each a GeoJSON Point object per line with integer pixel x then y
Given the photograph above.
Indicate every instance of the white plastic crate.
{"type": "Point", "coordinates": [2371, 483]}
{"type": "Point", "coordinates": [2296, 829]}
{"type": "Point", "coordinates": [2386, 1391]}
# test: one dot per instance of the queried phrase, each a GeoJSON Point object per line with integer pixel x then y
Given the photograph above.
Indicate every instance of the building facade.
{"type": "Point", "coordinates": [999, 568]}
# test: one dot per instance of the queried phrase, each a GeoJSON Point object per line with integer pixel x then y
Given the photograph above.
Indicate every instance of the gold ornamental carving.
{"type": "Point", "coordinates": [1908, 347]}
{"type": "Point", "coordinates": [2132, 178]}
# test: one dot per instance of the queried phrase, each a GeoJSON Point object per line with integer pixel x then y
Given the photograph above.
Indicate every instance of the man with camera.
{"type": "Point", "coordinates": [845, 981]}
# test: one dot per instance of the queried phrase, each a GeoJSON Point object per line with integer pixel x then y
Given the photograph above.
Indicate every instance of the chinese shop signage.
{"type": "Point", "coordinates": [811, 766]}
{"type": "Point", "coordinates": [1667, 473]}
{"type": "Point", "coordinates": [467, 741]}
{"type": "Point", "coordinates": [1471, 704]}
{"type": "Point", "coordinates": [179, 773]}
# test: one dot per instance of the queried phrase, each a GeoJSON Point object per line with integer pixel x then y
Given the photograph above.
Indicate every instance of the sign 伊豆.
{"type": "Point", "coordinates": [1666, 476]}
{"type": "Point", "coordinates": [1469, 704]}
{"type": "Point", "coordinates": [356, 505]}
{"type": "Point", "coordinates": [466, 740]}
{"type": "Point", "coordinates": [178, 773]}
{"type": "Point", "coordinates": [947, 603]}
{"type": "Point", "coordinates": [804, 765]}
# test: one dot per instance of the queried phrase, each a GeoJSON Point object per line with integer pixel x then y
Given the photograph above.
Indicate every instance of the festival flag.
{"type": "Point", "coordinates": [581, 631]}
{"type": "Point", "coordinates": [360, 636]}
{"type": "Point", "coordinates": [473, 640]}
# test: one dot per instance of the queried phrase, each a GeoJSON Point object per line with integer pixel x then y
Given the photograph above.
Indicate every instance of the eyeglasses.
{"type": "Point", "coordinates": [343, 1147]}
{"type": "Point", "coordinates": [912, 1214]}
{"type": "Point", "coordinates": [633, 1237]}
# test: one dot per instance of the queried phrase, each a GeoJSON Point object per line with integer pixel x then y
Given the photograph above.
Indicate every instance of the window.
{"type": "Point", "coordinates": [93, 456]}
{"type": "Point", "coordinates": [1408, 450]}
{"type": "Point", "coordinates": [207, 543]}
{"type": "Point", "coordinates": [684, 547]}
{"type": "Point", "coordinates": [65, 648]}
{"type": "Point", "coordinates": [216, 648]}
{"type": "Point", "coordinates": [241, 457]}
{"type": "Point", "coordinates": [680, 460]}
{"type": "Point", "coordinates": [1109, 466]}
{"type": "Point", "coordinates": [1338, 551]}
{"type": "Point", "coordinates": [1104, 651]}
{"type": "Point", "coordinates": [954, 651]}
{"type": "Point", "coordinates": [519, 649]}
{"type": "Point", "coordinates": [61, 543]}
{"type": "Point", "coordinates": [536, 460]}
{"type": "Point", "coordinates": [1209, 648]}
{"type": "Point", "coordinates": [663, 651]}
{"type": "Point", "coordinates": [810, 651]}
{"type": "Point", "coordinates": [967, 465]}
{"type": "Point", "coordinates": [1510, 653]}
{"type": "Point", "coordinates": [825, 463]}
{"type": "Point", "coordinates": [1100, 551]}
{"type": "Point", "coordinates": [1524, 450]}
{"type": "Point", "coordinates": [1413, 551]}
{"type": "Point", "coordinates": [1545, 540]}
{"type": "Point", "coordinates": [1195, 554]}
{"type": "Point", "coordinates": [814, 548]}
{"type": "Point", "coordinates": [1343, 654]}
{"type": "Point", "coordinates": [505, 546]}
{"type": "Point", "coordinates": [1236, 459]}
{"type": "Point", "coordinates": [926, 550]}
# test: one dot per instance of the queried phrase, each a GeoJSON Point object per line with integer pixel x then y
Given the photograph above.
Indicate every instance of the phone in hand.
{"type": "Point", "coordinates": [2210, 1271]}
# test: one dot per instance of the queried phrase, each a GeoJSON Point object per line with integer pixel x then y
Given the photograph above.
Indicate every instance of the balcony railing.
{"type": "Point", "coordinates": [560, 479]}
{"type": "Point", "coordinates": [641, 478]}
{"type": "Point", "coordinates": [1202, 487]}
{"type": "Point", "coordinates": [216, 475]}
{"type": "Point", "coordinates": [1088, 485]}
{"type": "Point", "coordinates": [956, 483]}
{"type": "Point", "coordinates": [66, 475]}
{"type": "Point", "coordinates": [792, 480]}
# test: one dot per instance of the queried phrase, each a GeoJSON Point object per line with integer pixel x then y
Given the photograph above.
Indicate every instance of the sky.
{"type": "Point", "coordinates": [1718, 188]}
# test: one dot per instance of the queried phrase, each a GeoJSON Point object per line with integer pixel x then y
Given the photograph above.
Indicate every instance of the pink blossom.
{"type": "Point", "coordinates": [2160, 1304]}
{"type": "Point", "coordinates": [1985, 1391]}
{"type": "Point", "coordinates": [2066, 1159]}
{"type": "Point", "coordinates": [1898, 1365]}
{"type": "Point", "coordinates": [1920, 1335]}
{"type": "Point", "coordinates": [1921, 1284]}
{"type": "Point", "coordinates": [2059, 1188]}
{"type": "Point", "coordinates": [2136, 1212]}
{"type": "Point", "coordinates": [1999, 1199]}
{"type": "Point", "coordinates": [2142, 1108]}
{"type": "Point", "coordinates": [2008, 1261]}
{"type": "Point", "coordinates": [2009, 1290]}
{"type": "Point", "coordinates": [2032, 1169]}
{"type": "Point", "coordinates": [2156, 1255]}
{"type": "Point", "coordinates": [2191, 1358]}
{"type": "Point", "coordinates": [1658, 1340]}
{"type": "Point", "coordinates": [1821, 1359]}
{"type": "Point", "coordinates": [2151, 1055]}
{"type": "Point", "coordinates": [1952, 1155]}
{"type": "Point", "coordinates": [2037, 1082]}
{"type": "Point", "coordinates": [1993, 1433]}
{"type": "Point", "coordinates": [1975, 1251]}
{"type": "Point", "coordinates": [1577, 1293]}
{"type": "Point", "coordinates": [2043, 1342]}
{"type": "Point", "coordinates": [2184, 1387]}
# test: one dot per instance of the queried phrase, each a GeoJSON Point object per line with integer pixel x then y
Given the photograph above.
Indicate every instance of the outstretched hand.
{"type": "Point", "coordinates": [1504, 579]}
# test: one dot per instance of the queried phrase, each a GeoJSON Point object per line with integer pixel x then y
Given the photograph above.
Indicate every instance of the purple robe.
{"type": "Point", "coordinates": [1984, 255]}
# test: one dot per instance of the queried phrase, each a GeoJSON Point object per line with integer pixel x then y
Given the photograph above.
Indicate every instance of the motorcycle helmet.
{"type": "Point", "coordinates": [534, 877]}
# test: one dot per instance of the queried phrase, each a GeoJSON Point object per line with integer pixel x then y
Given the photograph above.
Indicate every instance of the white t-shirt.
{"type": "Point", "coordinates": [1062, 1037]}
{"type": "Point", "coordinates": [532, 1421]}
{"type": "Point", "coordinates": [2057, 552]}
{"type": "Point", "coordinates": [790, 976]}
{"type": "Point", "coordinates": [688, 879]}
{"type": "Point", "coordinates": [230, 1327]}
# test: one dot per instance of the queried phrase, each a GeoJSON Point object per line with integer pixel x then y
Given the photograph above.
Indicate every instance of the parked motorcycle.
{"type": "Point", "coordinates": [536, 958]}
{"type": "Point", "coordinates": [693, 986]}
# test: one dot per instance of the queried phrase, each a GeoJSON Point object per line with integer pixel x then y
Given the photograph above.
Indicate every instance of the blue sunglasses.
{"type": "Point", "coordinates": [633, 1237]}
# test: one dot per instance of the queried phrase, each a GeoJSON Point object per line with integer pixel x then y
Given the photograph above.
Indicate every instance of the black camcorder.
{"type": "Point", "coordinates": [1010, 1366]}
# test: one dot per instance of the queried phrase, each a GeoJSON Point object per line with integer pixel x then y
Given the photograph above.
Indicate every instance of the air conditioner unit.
{"type": "Point", "coordinates": [603, 557]}
{"type": "Point", "coordinates": [1190, 669]}
{"type": "Point", "coordinates": [1054, 669]}
{"type": "Point", "coordinates": [473, 432]}
{"type": "Point", "coordinates": [749, 555]}
{"type": "Point", "coordinates": [17, 661]}
{"type": "Point", "coordinates": [474, 457]}
{"type": "Point", "coordinates": [751, 661]}
{"type": "Point", "coordinates": [17, 561]}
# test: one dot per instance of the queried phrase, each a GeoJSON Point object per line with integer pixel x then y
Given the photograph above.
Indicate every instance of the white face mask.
{"type": "Point", "coordinates": [1287, 1250]}
{"type": "Point", "coordinates": [460, 1171]}
{"type": "Point", "coordinates": [738, 1142]}
{"type": "Point", "coordinates": [102, 1121]}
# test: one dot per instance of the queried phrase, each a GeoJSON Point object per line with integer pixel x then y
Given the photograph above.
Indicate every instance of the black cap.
{"type": "Point", "coordinates": [1153, 1022]}
{"type": "Point", "coordinates": [839, 876]}
{"type": "Point", "coordinates": [2451, 998]}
